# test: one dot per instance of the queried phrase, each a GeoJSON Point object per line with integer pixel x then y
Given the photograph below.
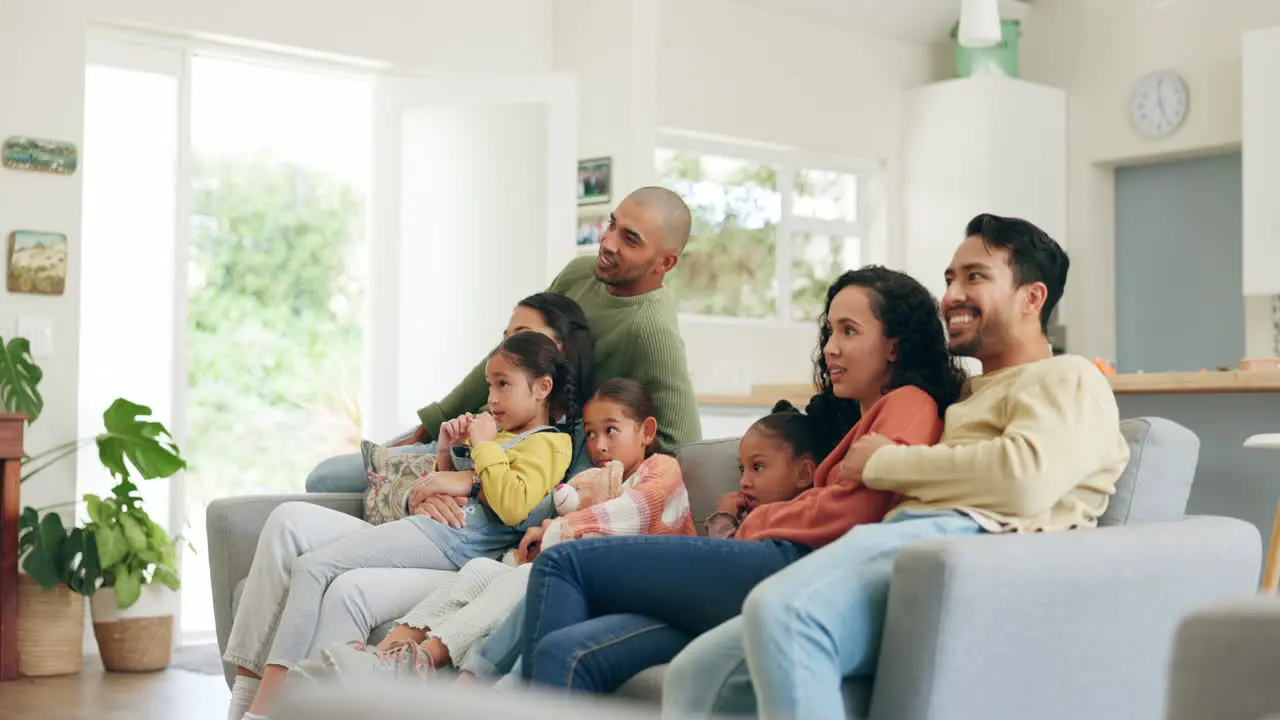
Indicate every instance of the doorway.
{"type": "Point", "coordinates": [1179, 291]}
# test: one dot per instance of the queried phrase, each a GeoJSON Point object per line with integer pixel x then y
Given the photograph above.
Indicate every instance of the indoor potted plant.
{"type": "Point", "coordinates": [61, 569]}
{"type": "Point", "coordinates": [65, 562]}
{"type": "Point", "coordinates": [133, 609]}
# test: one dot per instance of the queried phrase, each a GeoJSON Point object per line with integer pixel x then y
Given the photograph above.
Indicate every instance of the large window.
{"type": "Point", "coordinates": [224, 244]}
{"type": "Point", "coordinates": [771, 229]}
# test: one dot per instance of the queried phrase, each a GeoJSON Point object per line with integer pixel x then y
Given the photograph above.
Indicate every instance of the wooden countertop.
{"type": "Point", "coordinates": [1188, 383]}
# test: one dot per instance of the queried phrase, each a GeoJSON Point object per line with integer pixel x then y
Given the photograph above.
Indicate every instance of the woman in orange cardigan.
{"type": "Point", "coordinates": [599, 611]}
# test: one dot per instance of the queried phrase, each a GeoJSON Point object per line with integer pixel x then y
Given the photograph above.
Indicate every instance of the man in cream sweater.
{"type": "Point", "coordinates": [1033, 445]}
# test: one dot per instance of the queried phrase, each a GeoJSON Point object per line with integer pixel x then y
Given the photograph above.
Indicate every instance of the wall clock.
{"type": "Point", "coordinates": [1159, 104]}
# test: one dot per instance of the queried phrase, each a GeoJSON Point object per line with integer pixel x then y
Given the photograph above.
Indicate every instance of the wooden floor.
{"type": "Point", "coordinates": [98, 695]}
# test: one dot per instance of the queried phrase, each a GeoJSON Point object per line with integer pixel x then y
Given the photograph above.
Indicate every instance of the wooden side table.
{"type": "Point", "coordinates": [10, 474]}
{"type": "Point", "coordinates": [1271, 574]}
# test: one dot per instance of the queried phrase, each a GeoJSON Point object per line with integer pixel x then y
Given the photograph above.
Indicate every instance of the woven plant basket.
{"type": "Point", "coordinates": [50, 630]}
{"type": "Point", "coordinates": [138, 638]}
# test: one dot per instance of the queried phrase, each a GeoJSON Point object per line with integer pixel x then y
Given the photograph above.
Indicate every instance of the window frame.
{"type": "Point", "coordinates": [787, 161]}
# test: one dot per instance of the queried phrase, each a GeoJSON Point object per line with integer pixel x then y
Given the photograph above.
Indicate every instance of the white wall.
{"type": "Point", "coordinates": [612, 47]}
{"type": "Point", "coordinates": [42, 62]}
{"type": "Point", "coordinates": [738, 71]}
{"type": "Point", "coordinates": [438, 36]}
{"type": "Point", "coordinates": [1097, 50]}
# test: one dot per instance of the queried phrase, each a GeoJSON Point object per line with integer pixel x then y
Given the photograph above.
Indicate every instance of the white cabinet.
{"type": "Point", "coordinates": [1260, 157]}
{"type": "Point", "coordinates": [975, 145]}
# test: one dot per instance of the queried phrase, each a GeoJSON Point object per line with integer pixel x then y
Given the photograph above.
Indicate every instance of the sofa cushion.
{"type": "Point", "coordinates": [710, 469]}
{"type": "Point", "coordinates": [647, 686]}
{"type": "Point", "coordinates": [1157, 481]}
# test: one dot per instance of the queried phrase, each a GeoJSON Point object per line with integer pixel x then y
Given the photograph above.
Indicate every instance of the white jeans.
{"type": "Point", "coordinates": [302, 550]}
{"type": "Point", "coordinates": [463, 611]}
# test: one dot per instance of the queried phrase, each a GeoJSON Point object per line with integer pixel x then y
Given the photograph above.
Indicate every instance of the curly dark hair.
{"type": "Point", "coordinates": [908, 314]}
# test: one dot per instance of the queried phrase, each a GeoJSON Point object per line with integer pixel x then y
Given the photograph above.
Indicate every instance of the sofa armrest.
{"type": "Point", "coordinates": [233, 525]}
{"type": "Point", "coordinates": [991, 625]}
{"type": "Point", "coordinates": [1225, 659]}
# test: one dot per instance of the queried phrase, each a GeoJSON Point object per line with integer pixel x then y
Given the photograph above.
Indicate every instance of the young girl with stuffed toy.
{"type": "Point", "coordinates": [516, 459]}
{"type": "Point", "coordinates": [449, 625]}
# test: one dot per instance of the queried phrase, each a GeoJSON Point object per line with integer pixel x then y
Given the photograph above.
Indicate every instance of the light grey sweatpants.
{"type": "Point", "coordinates": [303, 548]}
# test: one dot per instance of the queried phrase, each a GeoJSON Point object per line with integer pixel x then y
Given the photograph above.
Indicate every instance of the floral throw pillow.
{"type": "Point", "coordinates": [391, 474]}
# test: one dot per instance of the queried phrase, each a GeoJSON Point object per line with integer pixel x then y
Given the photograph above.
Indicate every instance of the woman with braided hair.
{"type": "Point", "coordinates": [495, 472]}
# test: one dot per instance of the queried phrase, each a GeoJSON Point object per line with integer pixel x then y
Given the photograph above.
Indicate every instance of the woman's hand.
{"type": "Point", "coordinates": [450, 484]}
{"type": "Point", "coordinates": [849, 471]}
{"type": "Point", "coordinates": [483, 428]}
{"type": "Point", "coordinates": [443, 509]}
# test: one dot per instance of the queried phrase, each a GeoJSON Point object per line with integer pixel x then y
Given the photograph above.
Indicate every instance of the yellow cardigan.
{"type": "Point", "coordinates": [515, 481]}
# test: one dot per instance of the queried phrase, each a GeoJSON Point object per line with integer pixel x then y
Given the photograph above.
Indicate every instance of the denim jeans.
{"type": "Point", "coordinates": [680, 586]}
{"type": "Point", "coordinates": [803, 630]}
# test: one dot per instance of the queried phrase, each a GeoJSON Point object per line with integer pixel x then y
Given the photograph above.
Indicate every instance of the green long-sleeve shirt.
{"type": "Point", "coordinates": [636, 337]}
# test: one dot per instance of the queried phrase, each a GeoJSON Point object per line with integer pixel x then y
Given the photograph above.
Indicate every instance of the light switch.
{"type": "Point", "coordinates": [38, 330]}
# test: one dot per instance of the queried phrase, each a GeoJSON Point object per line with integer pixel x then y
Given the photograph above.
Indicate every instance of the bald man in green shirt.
{"type": "Point", "coordinates": [632, 317]}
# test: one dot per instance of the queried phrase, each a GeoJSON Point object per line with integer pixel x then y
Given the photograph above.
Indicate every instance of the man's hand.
{"type": "Point", "coordinates": [443, 509]}
{"type": "Point", "coordinates": [530, 544]}
{"type": "Point", "coordinates": [733, 503]}
{"type": "Point", "coordinates": [483, 429]}
{"type": "Point", "coordinates": [850, 469]}
{"type": "Point", "coordinates": [419, 435]}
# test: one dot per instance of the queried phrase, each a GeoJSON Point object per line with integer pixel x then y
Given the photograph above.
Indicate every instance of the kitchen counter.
{"type": "Point", "coordinates": [1230, 381]}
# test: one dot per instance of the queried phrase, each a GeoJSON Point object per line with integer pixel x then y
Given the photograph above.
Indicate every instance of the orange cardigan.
{"type": "Point", "coordinates": [823, 513]}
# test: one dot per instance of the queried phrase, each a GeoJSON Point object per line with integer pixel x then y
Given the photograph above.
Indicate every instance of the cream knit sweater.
{"type": "Point", "coordinates": [1028, 448]}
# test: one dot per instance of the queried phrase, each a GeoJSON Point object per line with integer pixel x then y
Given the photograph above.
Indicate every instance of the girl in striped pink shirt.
{"type": "Point", "coordinates": [451, 623]}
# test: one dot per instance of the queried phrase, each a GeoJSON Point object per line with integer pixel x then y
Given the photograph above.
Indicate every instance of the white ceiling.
{"type": "Point", "coordinates": [914, 20]}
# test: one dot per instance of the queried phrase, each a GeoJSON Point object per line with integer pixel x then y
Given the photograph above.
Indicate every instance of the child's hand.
{"type": "Point", "coordinates": [733, 503]}
{"type": "Point", "coordinates": [453, 431]}
{"type": "Point", "coordinates": [483, 428]}
{"type": "Point", "coordinates": [528, 549]}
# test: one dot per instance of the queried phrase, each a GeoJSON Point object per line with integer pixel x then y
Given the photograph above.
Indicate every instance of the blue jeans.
{"type": "Point", "coordinates": [601, 610]}
{"type": "Point", "coordinates": [803, 630]}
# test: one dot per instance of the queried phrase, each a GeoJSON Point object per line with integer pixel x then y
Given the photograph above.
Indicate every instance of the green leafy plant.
{"type": "Point", "coordinates": [19, 378]}
{"type": "Point", "coordinates": [121, 547]}
{"type": "Point", "coordinates": [52, 555]}
{"type": "Point", "coordinates": [146, 445]}
{"type": "Point", "coordinates": [132, 550]}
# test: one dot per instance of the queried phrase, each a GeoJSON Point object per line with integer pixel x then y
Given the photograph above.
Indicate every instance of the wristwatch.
{"type": "Point", "coordinates": [475, 485]}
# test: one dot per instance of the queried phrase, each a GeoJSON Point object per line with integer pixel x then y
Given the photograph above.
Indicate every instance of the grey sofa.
{"type": "Point", "coordinates": [1060, 625]}
{"type": "Point", "coordinates": [1225, 659]}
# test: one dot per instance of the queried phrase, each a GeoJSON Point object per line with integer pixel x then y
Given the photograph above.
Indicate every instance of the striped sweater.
{"type": "Point", "coordinates": [654, 501]}
{"type": "Point", "coordinates": [636, 337]}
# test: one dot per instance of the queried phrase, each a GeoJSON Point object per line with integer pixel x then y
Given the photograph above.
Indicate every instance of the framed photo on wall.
{"type": "Point", "coordinates": [590, 229]}
{"type": "Point", "coordinates": [595, 181]}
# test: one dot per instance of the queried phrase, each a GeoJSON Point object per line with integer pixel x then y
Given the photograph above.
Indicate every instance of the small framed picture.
{"type": "Point", "coordinates": [595, 181]}
{"type": "Point", "coordinates": [590, 229]}
{"type": "Point", "coordinates": [37, 155]}
{"type": "Point", "coordinates": [37, 262]}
